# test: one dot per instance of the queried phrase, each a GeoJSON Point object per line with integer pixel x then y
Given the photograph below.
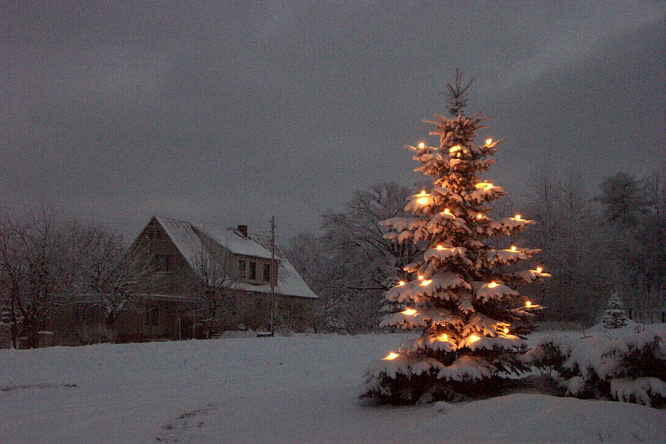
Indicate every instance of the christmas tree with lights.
{"type": "Point", "coordinates": [461, 293]}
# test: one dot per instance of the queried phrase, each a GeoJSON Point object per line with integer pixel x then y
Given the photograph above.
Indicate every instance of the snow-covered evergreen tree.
{"type": "Point", "coordinates": [460, 293]}
{"type": "Point", "coordinates": [615, 316]}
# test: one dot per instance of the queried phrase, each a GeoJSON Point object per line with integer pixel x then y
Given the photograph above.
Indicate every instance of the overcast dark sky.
{"type": "Point", "coordinates": [228, 113]}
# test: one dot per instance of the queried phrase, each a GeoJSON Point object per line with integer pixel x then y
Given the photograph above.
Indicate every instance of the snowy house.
{"type": "Point", "coordinates": [196, 281]}
{"type": "Point", "coordinates": [232, 261]}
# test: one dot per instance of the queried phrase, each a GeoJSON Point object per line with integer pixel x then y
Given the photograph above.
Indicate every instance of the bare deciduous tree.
{"type": "Point", "coordinates": [210, 284]}
{"type": "Point", "coordinates": [35, 270]}
{"type": "Point", "coordinates": [355, 261]}
{"type": "Point", "coordinates": [107, 275]}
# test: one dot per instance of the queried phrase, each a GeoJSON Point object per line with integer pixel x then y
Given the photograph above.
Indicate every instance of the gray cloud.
{"type": "Point", "coordinates": [229, 113]}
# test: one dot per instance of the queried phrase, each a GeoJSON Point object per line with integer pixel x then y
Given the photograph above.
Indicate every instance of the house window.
{"type": "Point", "coordinates": [241, 269]}
{"type": "Point", "coordinates": [151, 315]}
{"type": "Point", "coordinates": [164, 262]}
{"type": "Point", "coordinates": [267, 272]}
{"type": "Point", "coordinates": [253, 270]}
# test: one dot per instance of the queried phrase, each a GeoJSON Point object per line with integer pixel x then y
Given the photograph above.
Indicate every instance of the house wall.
{"type": "Point", "coordinates": [253, 310]}
{"type": "Point", "coordinates": [155, 240]}
{"type": "Point", "coordinates": [84, 323]}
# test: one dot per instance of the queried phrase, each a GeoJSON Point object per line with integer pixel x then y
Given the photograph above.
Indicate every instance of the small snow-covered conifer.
{"type": "Point", "coordinates": [461, 293]}
{"type": "Point", "coordinates": [615, 316]}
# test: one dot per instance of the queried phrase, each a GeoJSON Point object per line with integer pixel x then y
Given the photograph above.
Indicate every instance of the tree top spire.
{"type": "Point", "coordinates": [456, 96]}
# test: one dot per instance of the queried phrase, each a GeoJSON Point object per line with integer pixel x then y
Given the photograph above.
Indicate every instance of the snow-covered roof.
{"type": "Point", "coordinates": [182, 234]}
{"type": "Point", "coordinates": [290, 283]}
{"type": "Point", "coordinates": [190, 245]}
{"type": "Point", "coordinates": [236, 243]}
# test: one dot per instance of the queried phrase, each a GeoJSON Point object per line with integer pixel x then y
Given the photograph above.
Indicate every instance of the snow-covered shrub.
{"type": "Point", "coordinates": [615, 316]}
{"type": "Point", "coordinates": [96, 334]}
{"type": "Point", "coordinates": [630, 367]}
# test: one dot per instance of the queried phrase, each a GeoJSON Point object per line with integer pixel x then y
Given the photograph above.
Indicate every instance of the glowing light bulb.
{"type": "Point", "coordinates": [443, 337]}
{"type": "Point", "coordinates": [420, 277]}
{"type": "Point", "coordinates": [517, 216]}
{"type": "Point", "coordinates": [506, 331]}
{"type": "Point", "coordinates": [539, 269]}
{"type": "Point", "coordinates": [528, 304]}
{"type": "Point", "coordinates": [426, 282]}
{"type": "Point", "coordinates": [421, 145]}
{"type": "Point", "coordinates": [474, 338]}
{"type": "Point", "coordinates": [479, 216]}
{"type": "Point", "coordinates": [401, 283]}
{"type": "Point", "coordinates": [455, 148]}
{"type": "Point", "coordinates": [439, 247]}
{"type": "Point", "coordinates": [391, 356]}
{"type": "Point", "coordinates": [513, 248]}
{"type": "Point", "coordinates": [409, 312]}
{"type": "Point", "coordinates": [493, 284]}
{"type": "Point", "coordinates": [447, 211]}
{"type": "Point", "coordinates": [489, 141]}
{"type": "Point", "coordinates": [422, 193]}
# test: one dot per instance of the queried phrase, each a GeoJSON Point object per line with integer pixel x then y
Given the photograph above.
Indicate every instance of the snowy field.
{"type": "Point", "coordinates": [298, 389]}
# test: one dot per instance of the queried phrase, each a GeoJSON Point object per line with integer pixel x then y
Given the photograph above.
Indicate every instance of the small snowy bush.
{"type": "Point", "coordinates": [615, 316]}
{"type": "Point", "coordinates": [630, 367]}
{"type": "Point", "coordinates": [95, 335]}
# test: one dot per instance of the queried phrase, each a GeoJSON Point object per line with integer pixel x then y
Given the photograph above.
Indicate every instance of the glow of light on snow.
{"type": "Point", "coordinates": [426, 282]}
{"type": "Point", "coordinates": [391, 356]}
{"type": "Point", "coordinates": [454, 149]}
{"type": "Point", "coordinates": [409, 312]}
{"type": "Point", "coordinates": [493, 284]}
{"type": "Point", "coordinates": [443, 337]}
{"type": "Point", "coordinates": [474, 338]}
{"type": "Point", "coordinates": [484, 185]}
{"type": "Point", "coordinates": [423, 197]}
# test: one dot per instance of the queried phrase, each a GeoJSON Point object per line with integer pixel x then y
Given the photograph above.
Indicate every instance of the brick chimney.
{"type": "Point", "coordinates": [242, 230]}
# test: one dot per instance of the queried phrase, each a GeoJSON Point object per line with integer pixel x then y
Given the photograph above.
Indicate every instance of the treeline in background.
{"type": "Point", "coordinates": [594, 244]}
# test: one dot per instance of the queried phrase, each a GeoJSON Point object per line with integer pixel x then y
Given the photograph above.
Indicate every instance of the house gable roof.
{"type": "Point", "coordinates": [188, 242]}
{"type": "Point", "coordinates": [184, 237]}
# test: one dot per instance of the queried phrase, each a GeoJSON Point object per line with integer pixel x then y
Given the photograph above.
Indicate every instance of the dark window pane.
{"type": "Point", "coordinates": [154, 315]}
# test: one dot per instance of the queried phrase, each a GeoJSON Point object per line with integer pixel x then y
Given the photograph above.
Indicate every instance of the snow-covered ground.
{"type": "Point", "coordinates": [294, 389]}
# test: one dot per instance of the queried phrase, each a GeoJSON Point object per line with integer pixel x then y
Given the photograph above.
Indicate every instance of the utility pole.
{"type": "Point", "coordinates": [272, 275]}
